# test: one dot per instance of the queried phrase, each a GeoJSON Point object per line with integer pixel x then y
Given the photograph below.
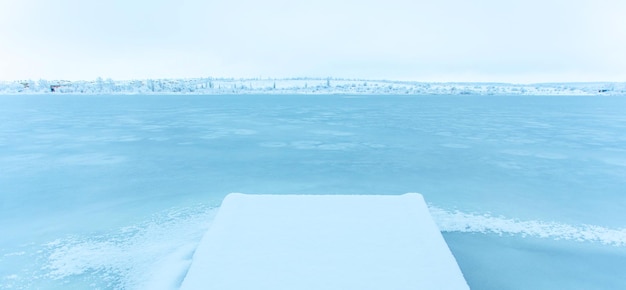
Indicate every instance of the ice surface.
{"type": "Point", "coordinates": [105, 191]}
{"type": "Point", "coordinates": [323, 242]}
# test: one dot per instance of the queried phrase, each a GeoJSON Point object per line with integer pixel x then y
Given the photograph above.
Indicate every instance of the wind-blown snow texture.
{"type": "Point", "coordinates": [302, 86]}
{"type": "Point", "coordinates": [457, 221]}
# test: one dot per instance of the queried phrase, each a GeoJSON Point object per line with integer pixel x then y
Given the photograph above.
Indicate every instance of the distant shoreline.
{"type": "Point", "coordinates": [228, 86]}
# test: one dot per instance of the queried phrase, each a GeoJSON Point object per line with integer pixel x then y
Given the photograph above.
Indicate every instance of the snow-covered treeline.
{"type": "Point", "coordinates": [209, 86]}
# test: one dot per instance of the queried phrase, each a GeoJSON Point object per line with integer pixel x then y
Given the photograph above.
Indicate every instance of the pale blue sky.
{"type": "Point", "coordinates": [445, 40]}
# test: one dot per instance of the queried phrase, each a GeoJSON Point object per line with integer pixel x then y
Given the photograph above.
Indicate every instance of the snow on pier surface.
{"type": "Point", "coordinates": [286, 242]}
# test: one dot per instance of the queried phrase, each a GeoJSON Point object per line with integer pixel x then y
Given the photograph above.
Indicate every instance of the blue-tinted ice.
{"type": "Point", "coordinates": [116, 191]}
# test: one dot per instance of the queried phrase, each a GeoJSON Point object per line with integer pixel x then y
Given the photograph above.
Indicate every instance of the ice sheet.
{"type": "Point", "coordinates": [514, 182]}
{"type": "Point", "coordinates": [323, 242]}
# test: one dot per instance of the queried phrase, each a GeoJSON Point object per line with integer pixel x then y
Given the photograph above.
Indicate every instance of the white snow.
{"type": "Point", "coordinates": [152, 255]}
{"type": "Point", "coordinates": [323, 242]}
{"type": "Point", "coordinates": [457, 221]}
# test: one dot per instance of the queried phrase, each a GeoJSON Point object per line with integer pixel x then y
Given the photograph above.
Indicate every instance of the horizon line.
{"type": "Point", "coordinates": [311, 78]}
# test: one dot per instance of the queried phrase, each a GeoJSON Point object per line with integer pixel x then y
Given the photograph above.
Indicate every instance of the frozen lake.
{"type": "Point", "coordinates": [115, 192]}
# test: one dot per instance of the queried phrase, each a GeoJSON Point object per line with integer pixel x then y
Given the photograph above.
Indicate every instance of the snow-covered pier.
{"type": "Point", "coordinates": [286, 242]}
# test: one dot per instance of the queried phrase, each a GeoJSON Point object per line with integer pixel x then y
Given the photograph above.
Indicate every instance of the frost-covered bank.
{"type": "Point", "coordinates": [203, 86]}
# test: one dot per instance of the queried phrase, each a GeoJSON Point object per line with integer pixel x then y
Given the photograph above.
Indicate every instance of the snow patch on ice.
{"type": "Point", "coordinates": [91, 159]}
{"type": "Point", "coordinates": [244, 132]}
{"type": "Point", "coordinates": [616, 162]}
{"type": "Point", "coordinates": [223, 132]}
{"type": "Point", "coordinates": [455, 146]}
{"type": "Point", "coordinates": [317, 145]}
{"type": "Point", "coordinates": [273, 144]}
{"type": "Point", "coordinates": [332, 133]}
{"type": "Point", "coordinates": [20, 253]}
{"type": "Point", "coordinates": [152, 255]}
{"type": "Point", "coordinates": [543, 155]}
{"type": "Point", "coordinates": [458, 221]}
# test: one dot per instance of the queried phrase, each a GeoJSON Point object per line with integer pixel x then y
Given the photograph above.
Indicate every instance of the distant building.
{"type": "Point", "coordinates": [54, 88]}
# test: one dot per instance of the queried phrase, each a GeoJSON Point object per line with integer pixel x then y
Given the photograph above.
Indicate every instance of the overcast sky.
{"type": "Point", "coordinates": [443, 40]}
